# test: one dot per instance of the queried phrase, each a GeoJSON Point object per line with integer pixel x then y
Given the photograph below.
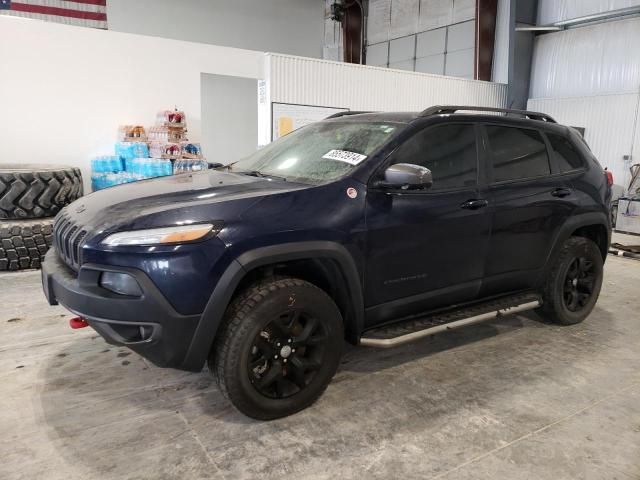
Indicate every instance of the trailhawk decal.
{"type": "Point", "coordinates": [344, 156]}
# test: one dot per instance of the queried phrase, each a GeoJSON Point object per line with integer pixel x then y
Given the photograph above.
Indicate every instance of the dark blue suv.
{"type": "Point", "coordinates": [377, 228]}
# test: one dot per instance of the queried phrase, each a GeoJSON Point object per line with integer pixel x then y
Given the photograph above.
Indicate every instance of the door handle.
{"type": "Point", "coordinates": [474, 204]}
{"type": "Point", "coordinates": [561, 192]}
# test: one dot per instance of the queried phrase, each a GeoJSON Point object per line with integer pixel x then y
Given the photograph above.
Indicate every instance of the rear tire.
{"type": "Point", "coordinates": [573, 285]}
{"type": "Point", "coordinates": [278, 348]}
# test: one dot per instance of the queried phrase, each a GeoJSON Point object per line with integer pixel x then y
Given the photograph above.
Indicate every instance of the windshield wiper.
{"type": "Point", "coordinates": [258, 173]}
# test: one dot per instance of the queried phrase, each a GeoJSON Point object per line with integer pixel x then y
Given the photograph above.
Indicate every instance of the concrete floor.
{"type": "Point", "coordinates": [512, 399]}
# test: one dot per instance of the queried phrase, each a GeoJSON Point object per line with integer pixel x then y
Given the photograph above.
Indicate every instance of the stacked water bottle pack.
{"type": "Point", "coordinates": [148, 167]}
{"type": "Point", "coordinates": [184, 165]}
{"type": "Point", "coordinates": [164, 151]}
{"type": "Point", "coordinates": [131, 163]}
{"type": "Point", "coordinates": [108, 171]}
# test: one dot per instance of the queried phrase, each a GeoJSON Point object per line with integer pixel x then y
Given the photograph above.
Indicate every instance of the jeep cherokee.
{"type": "Point", "coordinates": [377, 228]}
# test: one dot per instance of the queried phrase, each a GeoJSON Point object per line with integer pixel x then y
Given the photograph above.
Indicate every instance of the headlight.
{"type": "Point", "coordinates": [161, 236]}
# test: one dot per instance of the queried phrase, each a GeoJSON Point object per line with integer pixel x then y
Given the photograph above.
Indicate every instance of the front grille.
{"type": "Point", "coordinates": [67, 238]}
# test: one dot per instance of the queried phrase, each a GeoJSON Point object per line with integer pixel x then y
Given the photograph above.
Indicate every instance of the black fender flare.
{"type": "Point", "coordinates": [571, 225]}
{"type": "Point", "coordinates": [222, 293]}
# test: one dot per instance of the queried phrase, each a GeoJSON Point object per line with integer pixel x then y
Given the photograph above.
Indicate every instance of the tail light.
{"type": "Point", "coordinates": [609, 176]}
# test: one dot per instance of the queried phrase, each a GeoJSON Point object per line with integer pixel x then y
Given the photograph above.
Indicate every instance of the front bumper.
{"type": "Point", "coordinates": [148, 324]}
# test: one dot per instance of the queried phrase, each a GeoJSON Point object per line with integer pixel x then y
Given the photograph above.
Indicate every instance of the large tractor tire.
{"type": "Point", "coordinates": [23, 243]}
{"type": "Point", "coordinates": [37, 191]}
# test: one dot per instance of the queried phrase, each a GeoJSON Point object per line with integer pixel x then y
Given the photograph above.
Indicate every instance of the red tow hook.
{"type": "Point", "coordinates": [78, 322]}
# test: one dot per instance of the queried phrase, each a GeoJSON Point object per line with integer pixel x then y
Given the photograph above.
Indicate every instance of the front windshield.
{"type": "Point", "coordinates": [318, 153]}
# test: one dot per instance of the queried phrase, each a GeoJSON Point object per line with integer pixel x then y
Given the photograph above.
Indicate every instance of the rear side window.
{"type": "Point", "coordinates": [449, 151]}
{"type": "Point", "coordinates": [566, 155]}
{"type": "Point", "coordinates": [517, 153]}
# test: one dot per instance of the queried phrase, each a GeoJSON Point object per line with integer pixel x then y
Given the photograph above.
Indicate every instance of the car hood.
{"type": "Point", "coordinates": [195, 197]}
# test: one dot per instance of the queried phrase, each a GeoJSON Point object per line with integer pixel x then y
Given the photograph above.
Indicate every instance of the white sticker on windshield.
{"type": "Point", "coordinates": [344, 156]}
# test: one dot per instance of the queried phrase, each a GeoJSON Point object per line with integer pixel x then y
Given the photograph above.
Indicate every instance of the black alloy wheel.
{"type": "Point", "coordinates": [286, 354]}
{"type": "Point", "coordinates": [572, 286]}
{"type": "Point", "coordinates": [579, 283]}
{"type": "Point", "coordinates": [278, 348]}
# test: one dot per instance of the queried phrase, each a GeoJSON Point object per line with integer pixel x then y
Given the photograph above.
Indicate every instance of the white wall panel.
{"type": "Point", "coordinates": [435, 14]}
{"type": "Point", "coordinates": [431, 64]}
{"type": "Point", "coordinates": [461, 36]}
{"type": "Point", "coordinates": [431, 43]}
{"type": "Point", "coordinates": [404, 18]}
{"type": "Point", "coordinates": [317, 82]}
{"type": "Point", "coordinates": [402, 49]}
{"type": "Point", "coordinates": [408, 65]}
{"type": "Point", "coordinates": [608, 121]}
{"type": "Point", "coordinates": [378, 54]}
{"type": "Point", "coordinates": [464, 10]}
{"type": "Point", "coordinates": [551, 11]}
{"type": "Point", "coordinates": [585, 61]}
{"type": "Point", "coordinates": [459, 63]}
{"type": "Point", "coordinates": [378, 21]}
{"type": "Point", "coordinates": [294, 27]}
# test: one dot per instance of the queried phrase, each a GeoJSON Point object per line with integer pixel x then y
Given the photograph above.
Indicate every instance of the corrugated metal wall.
{"type": "Point", "coordinates": [609, 122]}
{"type": "Point", "coordinates": [358, 87]}
{"type": "Point", "coordinates": [593, 60]}
{"type": "Point", "coordinates": [551, 11]}
{"type": "Point", "coordinates": [590, 77]}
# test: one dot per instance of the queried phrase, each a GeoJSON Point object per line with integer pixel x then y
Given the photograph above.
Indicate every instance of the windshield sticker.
{"type": "Point", "coordinates": [344, 156]}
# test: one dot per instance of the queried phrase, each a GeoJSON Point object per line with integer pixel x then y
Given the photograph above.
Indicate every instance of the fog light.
{"type": "Point", "coordinates": [120, 283]}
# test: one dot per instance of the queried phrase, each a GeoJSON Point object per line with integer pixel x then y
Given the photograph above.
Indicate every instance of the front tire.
{"type": "Point", "coordinates": [278, 348]}
{"type": "Point", "coordinates": [573, 285]}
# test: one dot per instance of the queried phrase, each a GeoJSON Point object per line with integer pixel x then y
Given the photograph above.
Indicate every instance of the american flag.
{"type": "Point", "coordinates": [85, 13]}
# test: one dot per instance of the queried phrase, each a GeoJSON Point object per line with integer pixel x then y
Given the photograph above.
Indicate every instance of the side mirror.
{"type": "Point", "coordinates": [406, 176]}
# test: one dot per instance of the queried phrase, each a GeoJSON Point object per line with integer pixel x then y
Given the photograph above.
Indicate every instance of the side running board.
{"type": "Point", "coordinates": [413, 329]}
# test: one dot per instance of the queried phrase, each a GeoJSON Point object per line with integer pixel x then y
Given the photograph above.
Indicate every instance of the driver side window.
{"type": "Point", "coordinates": [449, 151]}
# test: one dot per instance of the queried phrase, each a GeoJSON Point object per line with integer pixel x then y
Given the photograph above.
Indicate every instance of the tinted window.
{"type": "Point", "coordinates": [517, 153]}
{"type": "Point", "coordinates": [449, 151]}
{"type": "Point", "coordinates": [565, 153]}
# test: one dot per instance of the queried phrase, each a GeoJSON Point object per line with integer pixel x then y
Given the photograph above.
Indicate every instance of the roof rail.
{"type": "Point", "coordinates": [448, 109]}
{"type": "Point", "coordinates": [346, 112]}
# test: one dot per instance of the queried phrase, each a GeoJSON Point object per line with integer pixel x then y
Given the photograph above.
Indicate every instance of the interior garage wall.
{"type": "Point", "coordinates": [286, 26]}
{"type": "Point", "coordinates": [357, 87]}
{"type": "Point", "coordinates": [229, 117]}
{"type": "Point", "coordinates": [64, 90]}
{"type": "Point", "coordinates": [590, 77]}
{"type": "Point", "coordinates": [551, 11]}
{"type": "Point", "coordinates": [308, 81]}
{"type": "Point", "coordinates": [428, 36]}
{"type": "Point", "coordinates": [584, 61]}
{"type": "Point", "coordinates": [610, 123]}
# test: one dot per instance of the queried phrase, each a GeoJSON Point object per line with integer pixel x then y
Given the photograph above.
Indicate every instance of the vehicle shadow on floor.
{"type": "Point", "coordinates": [367, 359]}
{"type": "Point", "coordinates": [118, 402]}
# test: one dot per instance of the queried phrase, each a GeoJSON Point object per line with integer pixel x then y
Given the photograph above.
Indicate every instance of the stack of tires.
{"type": "Point", "coordinates": [30, 196]}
